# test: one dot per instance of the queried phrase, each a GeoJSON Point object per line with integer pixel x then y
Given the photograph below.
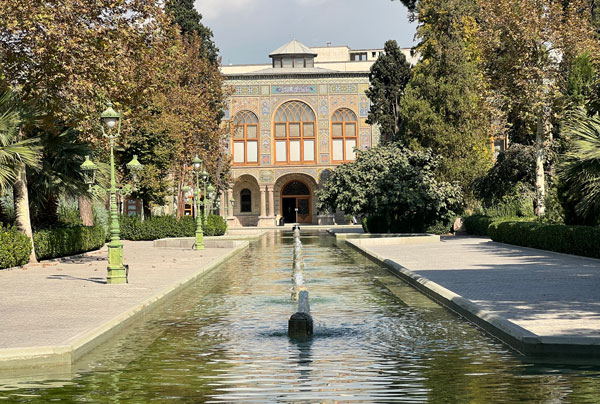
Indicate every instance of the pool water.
{"type": "Point", "coordinates": [376, 340]}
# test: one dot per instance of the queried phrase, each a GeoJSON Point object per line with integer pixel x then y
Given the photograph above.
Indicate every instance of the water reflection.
{"type": "Point", "coordinates": [376, 340]}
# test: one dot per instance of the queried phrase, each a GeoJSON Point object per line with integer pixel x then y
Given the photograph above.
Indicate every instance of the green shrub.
{"type": "Point", "coordinates": [215, 226]}
{"type": "Point", "coordinates": [376, 224]}
{"type": "Point", "coordinates": [157, 227]}
{"type": "Point", "coordinates": [577, 240]}
{"type": "Point", "coordinates": [15, 248]}
{"type": "Point", "coordinates": [477, 224]}
{"type": "Point", "coordinates": [63, 241]}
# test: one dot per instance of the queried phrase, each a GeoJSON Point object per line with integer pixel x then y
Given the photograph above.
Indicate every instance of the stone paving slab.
{"type": "Point", "coordinates": [553, 297]}
{"type": "Point", "coordinates": [49, 308]}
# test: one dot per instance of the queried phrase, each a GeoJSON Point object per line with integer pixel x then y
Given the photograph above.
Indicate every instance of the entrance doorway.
{"type": "Point", "coordinates": [296, 195]}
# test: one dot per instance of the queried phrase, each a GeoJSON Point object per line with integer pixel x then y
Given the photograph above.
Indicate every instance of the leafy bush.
{"type": "Point", "coordinates": [578, 240]}
{"type": "Point", "coordinates": [514, 166]}
{"type": "Point", "coordinates": [215, 226]}
{"type": "Point", "coordinates": [15, 248]}
{"type": "Point", "coordinates": [477, 224]}
{"type": "Point", "coordinates": [395, 183]}
{"type": "Point", "coordinates": [63, 241]}
{"type": "Point", "coordinates": [157, 227]}
{"type": "Point", "coordinates": [376, 224]}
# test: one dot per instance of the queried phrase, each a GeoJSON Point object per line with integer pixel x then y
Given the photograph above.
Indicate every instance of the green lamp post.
{"type": "Point", "coordinates": [197, 164]}
{"type": "Point", "coordinates": [89, 172]}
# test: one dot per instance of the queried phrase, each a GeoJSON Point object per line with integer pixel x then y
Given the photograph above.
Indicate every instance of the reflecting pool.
{"type": "Point", "coordinates": [376, 341]}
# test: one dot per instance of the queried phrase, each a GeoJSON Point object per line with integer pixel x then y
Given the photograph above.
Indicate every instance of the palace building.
{"type": "Point", "coordinates": [293, 120]}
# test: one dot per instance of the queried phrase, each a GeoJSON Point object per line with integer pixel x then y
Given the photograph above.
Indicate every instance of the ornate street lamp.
{"type": "Point", "coordinates": [89, 172]}
{"type": "Point", "coordinates": [135, 167]}
{"type": "Point", "coordinates": [197, 164]}
{"type": "Point", "coordinates": [117, 272]}
{"type": "Point", "coordinates": [211, 192]}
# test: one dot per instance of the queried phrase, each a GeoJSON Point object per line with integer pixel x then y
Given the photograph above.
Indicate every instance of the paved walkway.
{"type": "Point", "coordinates": [546, 293]}
{"type": "Point", "coordinates": [58, 304]}
{"type": "Point", "coordinates": [550, 295]}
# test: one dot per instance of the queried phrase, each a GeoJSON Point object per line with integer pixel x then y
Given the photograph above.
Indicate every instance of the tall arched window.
{"type": "Point", "coordinates": [343, 135]}
{"type": "Point", "coordinates": [246, 200]}
{"type": "Point", "coordinates": [295, 133]}
{"type": "Point", "coordinates": [245, 138]}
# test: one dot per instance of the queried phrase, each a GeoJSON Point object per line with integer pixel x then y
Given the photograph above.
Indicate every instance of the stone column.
{"type": "Point", "coordinates": [263, 219]}
{"type": "Point", "coordinates": [222, 206]}
{"type": "Point", "coordinates": [271, 202]}
{"type": "Point", "coordinates": [263, 201]}
{"type": "Point", "coordinates": [228, 202]}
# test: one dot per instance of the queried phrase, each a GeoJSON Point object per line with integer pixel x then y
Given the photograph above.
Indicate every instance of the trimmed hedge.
{"type": "Point", "coordinates": [477, 224]}
{"type": "Point", "coordinates": [577, 240]}
{"type": "Point", "coordinates": [156, 227]}
{"type": "Point", "coordinates": [63, 241]}
{"type": "Point", "coordinates": [15, 248]}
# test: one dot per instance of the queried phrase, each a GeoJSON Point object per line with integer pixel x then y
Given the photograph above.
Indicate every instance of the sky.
{"type": "Point", "coordinates": [246, 31]}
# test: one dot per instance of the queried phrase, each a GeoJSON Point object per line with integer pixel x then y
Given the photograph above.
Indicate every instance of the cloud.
{"type": "Point", "coordinates": [310, 2]}
{"type": "Point", "coordinates": [211, 9]}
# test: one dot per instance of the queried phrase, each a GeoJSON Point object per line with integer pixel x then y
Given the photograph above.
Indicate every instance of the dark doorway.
{"type": "Point", "coordinates": [288, 206]}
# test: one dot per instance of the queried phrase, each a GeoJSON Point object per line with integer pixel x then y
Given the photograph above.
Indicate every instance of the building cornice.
{"type": "Point", "coordinates": [298, 75]}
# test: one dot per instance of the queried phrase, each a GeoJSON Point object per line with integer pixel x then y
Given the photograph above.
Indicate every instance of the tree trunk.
{"type": "Point", "coordinates": [180, 200]}
{"type": "Point", "coordinates": [540, 183]}
{"type": "Point", "coordinates": [21, 200]}
{"type": "Point", "coordinates": [85, 210]}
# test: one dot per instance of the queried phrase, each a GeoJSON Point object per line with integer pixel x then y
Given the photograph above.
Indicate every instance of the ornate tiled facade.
{"type": "Point", "coordinates": [259, 186]}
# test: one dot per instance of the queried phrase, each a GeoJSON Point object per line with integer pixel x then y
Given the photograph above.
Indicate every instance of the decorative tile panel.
{"type": "Point", "coordinates": [365, 106]}
{"type": "Point", "coordinates": [266, 175]}
{"type": "Point", "coordinates": [339, 101]}
{"type": "Point", "coordinates": [324, 158]}
{"type": "Point", "coordinates": [324, 124]}
{"type": "Point", "coordinates": [246, 90]}
{"type": "Point", "coordinates": [266, 160]}
{"type": "Point", "coordinates": [264, 90]}
{"type": "Point", "coordinates": [265, 108]}
{"type": "Point", "coordinates": [363, 123]}
{"type": "Point", "coordinates": [323, 89]}
{"type": "Point", "coordinates": [343, 88]}
{"type": "Point", "coordinates": [244, 103]}
{"type": "Point", "coordinates": [294, 89]}
{"type": "Point", "coordinates": [324, 142]}
{"type": "Point", "coordinates": [362, 88]}
{"type": "Point", "coordinates": [323, 108]}
{"type": "Point", "coordinates": [365, 140]}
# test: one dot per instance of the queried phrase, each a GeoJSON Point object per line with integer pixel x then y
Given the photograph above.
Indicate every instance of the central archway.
{"type": "Point", "coordinates": [296, 195]}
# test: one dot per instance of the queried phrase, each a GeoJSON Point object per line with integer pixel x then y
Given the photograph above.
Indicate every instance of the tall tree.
{"type": "Point", "coordinates": [16, 156]}
{"type": "Point", "coordinates": [184, 14]}
{"type": "Point", "coordinates": [445, 102]}
{"type": "Point", "coordinates": [524, 44]}
{"type": "Point", "coordinates": [389, 76]}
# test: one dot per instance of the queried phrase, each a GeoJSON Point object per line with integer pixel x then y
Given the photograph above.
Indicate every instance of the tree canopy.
{"type": "Point", "coordinates": [388, 78]}
{"type": "Point", "coordinates": [188, 19]}
{"type": "Point", "coordinates": [391, 181]}
{"type": "Point", "coordinates": [444, 106]}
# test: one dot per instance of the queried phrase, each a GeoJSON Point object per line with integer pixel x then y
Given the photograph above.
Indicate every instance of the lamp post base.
{"type": "Point", "coordinates": [199, 244]}
{"type": "Point", "coordinates": [117, 272]}
{"type": "Point", "coordinates": [116, 276]}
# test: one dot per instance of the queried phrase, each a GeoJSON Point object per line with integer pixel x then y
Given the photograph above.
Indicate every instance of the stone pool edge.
{"type": "Point", "coordinates": [518, 338]}
{"type": "Point", "coordinates": [78, 346]}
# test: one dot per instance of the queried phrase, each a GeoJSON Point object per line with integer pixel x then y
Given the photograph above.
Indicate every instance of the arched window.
{"type": "Point", "coordinates": [295, 133]}
{"type": "Point", "coordinates": [245, 138]}
{"type": "Point", "coordinates": [343, 135]}
{"type": "Point", "coordinates": [246, 200]}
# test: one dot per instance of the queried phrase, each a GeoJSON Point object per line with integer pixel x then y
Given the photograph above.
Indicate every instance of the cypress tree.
{"type": "Point", "coordinates": [188, 19]}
